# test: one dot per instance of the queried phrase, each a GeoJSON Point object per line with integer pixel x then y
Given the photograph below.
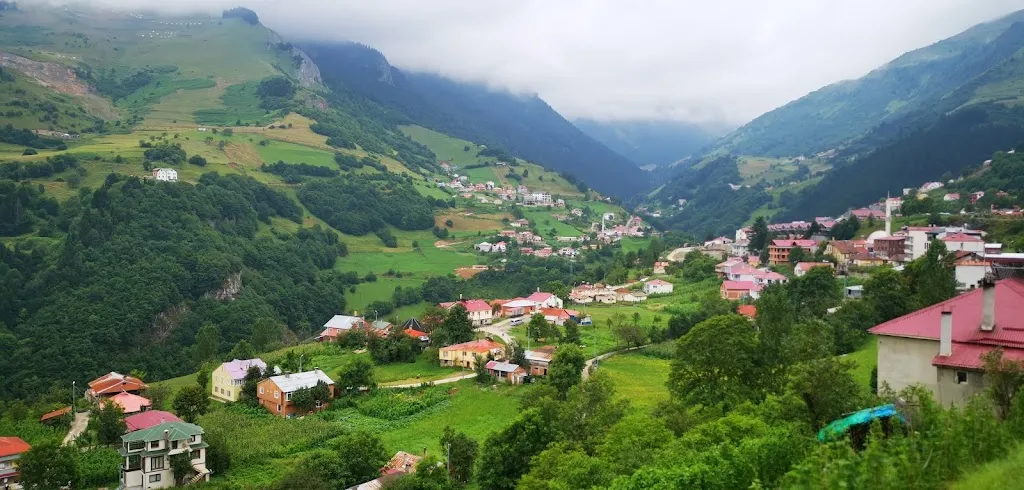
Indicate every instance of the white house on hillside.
{"type": "Point", "coordinates": [165, 174]}
{"type": "Point", "coordinates": [657, 286]}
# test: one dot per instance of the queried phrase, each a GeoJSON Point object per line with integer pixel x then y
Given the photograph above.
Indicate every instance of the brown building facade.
{"type": "Point", "coordinates": [275, 393]}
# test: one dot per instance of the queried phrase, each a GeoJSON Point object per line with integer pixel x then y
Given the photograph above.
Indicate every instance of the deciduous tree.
{"type": "Point", "coordinates": [460, 451]}
{"type": "Point", "coordinates": [190, 403]}
{"type": "Point", "coordinates": [49, 466]}
{"type": "Point", "coordinates": [701, 374]}
{"type": "Point", "coordinates": [566, 368]}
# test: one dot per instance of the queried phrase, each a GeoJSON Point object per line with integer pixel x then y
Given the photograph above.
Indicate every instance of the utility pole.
{"type": "Point", "coordinates": [449, 459]}
{"type": "Point", "coordinates": [72, 399]}
{"type": "Point", "coordinates": [300, 361]}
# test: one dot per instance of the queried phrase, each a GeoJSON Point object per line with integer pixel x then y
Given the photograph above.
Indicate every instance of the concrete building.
{"type": "Point", "coordinates": [165, 174]}
{"type": "Point", "coordinates": [779, 250]}
{"type": "Point", "coordinates": [961, 242]}
{"type": "Point", "coordinates": [940, 347]}
{"type": "Point", "coordinates": [147, 455]}
{"type": "Point", "coordinates": [229, 377]}
{"type": "Point", "coordinates": [275, 393]}
{"type": "Point", "coordinates": [657, 286]}
{"type": "Point", "coordinates": [465, 354]}
{"type": "Point", "coordinates": [11, 448]}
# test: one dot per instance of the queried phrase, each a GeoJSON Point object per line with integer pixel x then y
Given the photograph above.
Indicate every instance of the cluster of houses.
{"type": "Point", "coordinates": [604, 294]}
{"type": "Point", "coordinates": [520, 194]}
{"type": "Point", "coordinates": [165, 175]}
{"type": "Point", "coordinates": [529, 243]}
{"type": "Point", "coordinates": [742, 281]}
{"type": "Point", "coordinates": [633, 227]}
{"type": "Point", "coordinates": [467, 354]}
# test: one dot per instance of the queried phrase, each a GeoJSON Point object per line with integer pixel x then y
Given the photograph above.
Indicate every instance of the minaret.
{"type": "Point", "coordinates": [888, 215]}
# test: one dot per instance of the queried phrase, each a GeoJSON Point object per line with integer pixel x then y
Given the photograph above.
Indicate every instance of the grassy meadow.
{"type": "Point", "coordinates": [638, 377]}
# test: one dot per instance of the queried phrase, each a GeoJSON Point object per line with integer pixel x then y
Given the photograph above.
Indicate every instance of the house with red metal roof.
{"type": "Point", "coordinates": [11, 448]}
{"type": "Point", "coordinates": [147, 419]}
{"type": "Point", "coordinates": [803, 268]}
{"type": "Point", "coordinates": [129, 402]}
{"type": "Point", "coordinates": [749, 311]}
{"type": "Point", "coordinates": [941, 346]}
{"type": "Point", "coordinates": [956, 242]}
{"type": "Point", "coordinates": [465, 354]}
{"type": "Point", "coordinates": [546, 300]}
{"type": "Point", "coordinates": [778, 250]}
{"type": "Point", "coordinates": [113, 383]}
{"type": "Point", "coordinates": [739, 290]}
{"type": "Point", "coordinates": [480, 311]}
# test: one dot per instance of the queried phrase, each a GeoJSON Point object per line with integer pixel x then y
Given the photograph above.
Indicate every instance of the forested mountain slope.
{"type": "Point", "coordinates": [842, 112]}
{"type": "Point", "coordinates": [524, 125]}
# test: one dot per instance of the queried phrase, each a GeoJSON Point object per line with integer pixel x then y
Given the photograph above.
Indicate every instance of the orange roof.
{"type": "Point", "coordinates": [56, 413]}
{"type": "Point", "coordinates": [480, 345]}
{"type": "Point", "coordinates": [10, 446]}
{"type": "Point", "coordinates": [113, 382]}
{"type": "Point", "coordinates": [412, 332]}
{"type": "Point", "coordinates": [130, 403]}
{"type": "Point", "coordinates": [749, 311]}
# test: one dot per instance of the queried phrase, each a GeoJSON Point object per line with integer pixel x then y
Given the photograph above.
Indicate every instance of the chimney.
{"type": "Point", "coordinates": [988, 304]}
{"type": "Point", "coordinates": [167, 435]}
{"type": "Point", "coordinates": [946, 334]}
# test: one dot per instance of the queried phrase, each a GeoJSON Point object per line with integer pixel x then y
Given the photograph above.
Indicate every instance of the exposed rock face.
{"type": "Point", "coordinates": [60, 78]}
{"type": "Point", "coordinates": [309, 73]}
{"type": "Point", "coordinates": [229, 290]}
{"type": "Point", "coordinates": [166, 321]}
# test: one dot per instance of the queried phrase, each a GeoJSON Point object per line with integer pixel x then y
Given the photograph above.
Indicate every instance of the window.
{"type": "Point", "coordinates": [261, 390]}
{"type": "Point", "coordinates": [156, 463]}
{"type": "Point", "coordinates": [278, 407]}
{"type": "Point", "coordinates": [154, 444]}
{"type": "Point", "coordinates": [277, 394]}
{"type": "Point", "coordinates": [961, 377]}
{"type": "Point", "coordinates": [174, 444]}
{"type": "Point", "coordinates": [288, 396]}
{"type": "Point", "coordinates": [4, 465]}
{"type": "Point", "coordinates": [154, 478]}
{"type": "Point", "coordinates": [198, 453]}
{"type": "Point", "coordinates": [134, 462]}
{"type": "Point", "coordinates": [136, 445]}
{"type": "Point", "coordinates": [193, 439]}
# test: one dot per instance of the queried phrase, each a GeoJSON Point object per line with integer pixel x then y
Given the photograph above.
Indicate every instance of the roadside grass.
{"type": "Point", "coordinates": [638, 378]}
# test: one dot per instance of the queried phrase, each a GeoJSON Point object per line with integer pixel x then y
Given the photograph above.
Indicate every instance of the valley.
{"type": "Point", "coordinates": [240, 261]}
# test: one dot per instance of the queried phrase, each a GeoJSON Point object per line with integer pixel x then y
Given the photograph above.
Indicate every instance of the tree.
{"type": "Point", "coordinates": [109, 423]}
{"type": "Point", "coordinates": [932, 277]}
{"type": "Point", "coordinates": [563, 465]}
{"type": "Point", "coordinates": [517, 355]}
{"type": "Point", "coordinates": [157, 395]}
{"type": "Point", "coordinates": [887, 293]}
{"type": "Point", "coordinates": [218, 453]}
{"type": "Point", "coordinates": [1003, 380]}
{"type": "Point", "coordinates": [539, 328]}
{"type": "Point", "coordinates": [572, 332]}
{"type": "Point", "coordinates": [250, 383]}
{"type": "Point", "coordinates": [351, 459]}
{"type": "Point", "coordinates": [630, 442]}
{"type": "Point", "coordinates": [197, 160]}
{"type": "Point", "coordinates": [356, 373]}
{"type": "Point", "coordinates": [207, 342]}
{"type": "Point", "coordinates": [242, 350]}
{"type": "Point", "coordinates": [630, 334]}
{"type": "Point", "coordinates": [266, 334]}
{"type": "Point", "coordinates": [506, 454]}
{"type": "Point", "coordinates": [797, 255]}
{"type": "Point", "coordinates": [49, 466]}
{"type": "Point", "coordinates": [181, 466]}
{"type": "Point", "coordinates": [190, 403]}
{"type": "Point", "coordinates": [759, 235]}
{"type": "Point", "coordinates": [456, 327]}
{"type": "Point", "coordinates": [827, 389]}
{"type": "Point", "coordinates": [815, 292]}
{"type": "Point", "coordinates": [461, 451]}
{"type": "Point", "coordinates": [566, 368]}
{"type": "Point", "coordinates": [203, 376]}
{"type": "Point", "coordinates": [702, 375]}
{"type": "Point", "coordinates": [480, 368]}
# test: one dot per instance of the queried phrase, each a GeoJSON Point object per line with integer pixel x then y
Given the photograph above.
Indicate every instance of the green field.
{"type": "Point", "coordinates": [543, 220]}
{"type": "Point", "coordinates": [866, 358]}
{"type": "Point", "coordinates": [638, 378]}
{"type": "Point", "coordinates": [240, 105]}
{"type": "Point", "coordinates": [445, 147]}
{"type": "Point", "coordinates": [996, 475]}
{"type": "Point", "coordinates": [382, 288]}
{"type": "Point", "coordinates": [292, 153]}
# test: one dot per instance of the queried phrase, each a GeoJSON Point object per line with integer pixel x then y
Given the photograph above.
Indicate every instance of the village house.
{"type": "Point", "coordinates": [970, 269]}
{"type": "Point", "coordinates": [464, 355]}
{"type": "Point", "coordinates": [657, 286]}
{"type": "Point", "coordinates": [147, 419]}
{"type": "Point", "coordinates": [480, 311]}
{"type": "Point", "coordinates": [779, 250]}
{"type": "Point", "coordinates": [931, 186]}
{"type": "Point", "coordinates": [11, 448]}
{"type": "Point", "coordinates": [892, 248]}
{"type": "Point", "coordinates": [539, 359]}
{"type": "Point", "coordinates": [544, 253]}
{"type": "Point", "coordinates": [113, 383]}
{"type": "Point", "coordinates": [546, 300]}
{"type": "Point", "coordinates": [941, 347]}
{"type": "Point", "coordinates": [749, 311]}
{"type": "Point", "coordinates": [765, 278]}
{"type": "Point", "coordinates": [402, 463]}
{"type": "Point", "coordinates": [659, 267]}
{"type": "Point", "coordinates": [147, 455]}
{"type": "Point", "coordinates": [629, 296]}
{"type": "Point", "coordinates": [518, 307]}
{"type": "Point", "coordinates": [802, 268]}
{"type": "Point", "coordinates": [381, 328]}
{"type": "Point", "coordinates": [952, 196]}
{"type": "Point", "coordinates": [484, 247]}
{"type": "Point", "coordinates": [165, 174]}
{"type": "Point", "coordinates": [275, 393]}
{"type": "Point", "coordinates": [229, 377]}
{"type": "Point", "coordinates": [128, 402]}
{"type": "Point", "coordinates": [867, 259]}
{"type": "Point", "coordinates": [916, 240]}
{"type": "Point", "coordinates": [558, 316]}
{"type": "Point", "coordinates": [507, 372]}
{"type": "Point", "coordinates": [340, 324]}
{"type": "Point", "coordinates": [724, 268]}
{"type": "Point", "coordinates": [843, 250]}
{"type": "Point", "coordinates": [51, 417]}
{"type": "Point", "coordinates": [865, 214]}
{"type": "Point", "coordinates": [960, 242]}
{"type": "Point", "coordinates": [718, 242]}
{"type": "Point", "coordinates": [739, 290]}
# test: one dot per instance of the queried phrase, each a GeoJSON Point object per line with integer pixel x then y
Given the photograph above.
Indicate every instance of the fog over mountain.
{"type": "Point", "coordinates": [693, 61]}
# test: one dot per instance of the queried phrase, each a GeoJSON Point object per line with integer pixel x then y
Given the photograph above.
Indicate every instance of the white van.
{"type": "Point", "coordinates": [517, 321]}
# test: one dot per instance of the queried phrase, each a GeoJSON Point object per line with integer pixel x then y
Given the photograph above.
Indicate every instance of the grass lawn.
{"type": "Point", "coordinates": [638, 378]}
{"type": "Point", "coordinates": [445, 147]}
{"type": "Point", "coordinates": [542, 219]}
{"type": "Point", "coordinates": [367, 254]}
{"type": "Point", "coordinates": [996, 475]}
{"type": "Point", "coordinates": [381, 289]}
{"type": "Point", "coordinates": [633, 244]}
{"type": "Point", "coordinates": [866, 358]}
{"type": "Point", "coordinates": [294, 153]}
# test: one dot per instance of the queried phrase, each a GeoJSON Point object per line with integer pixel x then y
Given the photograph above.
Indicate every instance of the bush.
{"type": "Point", "coordinates": [395, 405]}
{"type": "Point", "coordinates": [29, 151]}
{"type": "Point", "coordinates": [197, 160]}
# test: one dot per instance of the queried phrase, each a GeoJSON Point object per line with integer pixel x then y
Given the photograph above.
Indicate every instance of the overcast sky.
{"type": "Point", "coordinates": [701, 61]}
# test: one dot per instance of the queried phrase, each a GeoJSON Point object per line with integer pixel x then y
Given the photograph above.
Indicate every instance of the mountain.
{"type": "Point", "coordinates": [647, 143]}
{"type": "Point", "coordinates": [525, 125]}
{"type": "Point", "coordinates": [939, 110]}
{"type": "Point", "coordinates": [841, 113]}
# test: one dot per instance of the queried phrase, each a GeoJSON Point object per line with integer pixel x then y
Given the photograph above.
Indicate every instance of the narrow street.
{"type": "Point", "coordinates": [78, 426]}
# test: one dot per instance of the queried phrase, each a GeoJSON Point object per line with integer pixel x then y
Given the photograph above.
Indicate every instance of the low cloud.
{"type": "Point", "coordinates": [696, 61]}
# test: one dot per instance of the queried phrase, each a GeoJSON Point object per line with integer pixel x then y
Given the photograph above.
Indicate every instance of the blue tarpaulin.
{"type": "Point", "coordinates": [838, 428]}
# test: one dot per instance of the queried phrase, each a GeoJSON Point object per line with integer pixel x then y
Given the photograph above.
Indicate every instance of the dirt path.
{"type": "Point", "coordinates": [77, 427]}
{"type": "Point", "coordinates": [500, 329]}
{"type": "Point", "coordinates": [679, 254]}
{"type": "Point", "coordinates": [446, 244]}
{"type": "Point", "coordinates": [442, 381]}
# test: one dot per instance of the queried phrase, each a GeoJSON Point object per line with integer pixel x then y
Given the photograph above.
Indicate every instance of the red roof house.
{"type": "Point", "coordinates": [749, 311]}
{"type": "Point", "coordinates": [11, 448]}
{"type": "Point", "coordinates": [147, 419]}
{"type": "Point", "coordinates": [129, 402]}
{"type": "Point", "coordinates": [113, 383]}
{"type": "Point", "coordinates": [737, 290]}
{"type": "Point", "coordinates": [941, 346]}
